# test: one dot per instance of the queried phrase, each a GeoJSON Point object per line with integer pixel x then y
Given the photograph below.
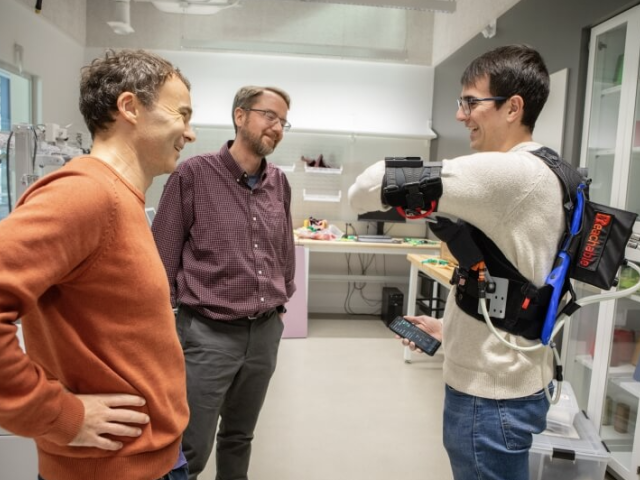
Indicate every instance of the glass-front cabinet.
{"type": "Point", "coordinates": [602, 341]}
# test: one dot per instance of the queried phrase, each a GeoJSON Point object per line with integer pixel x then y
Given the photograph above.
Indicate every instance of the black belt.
{"type": "Point", "coordinates": [251, 318]}
{"type": "Point", "coordinates": [268, 313]}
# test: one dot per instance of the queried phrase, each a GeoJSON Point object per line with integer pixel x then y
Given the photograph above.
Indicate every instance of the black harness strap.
{"type": "Point", "coordinates": [526, 305]}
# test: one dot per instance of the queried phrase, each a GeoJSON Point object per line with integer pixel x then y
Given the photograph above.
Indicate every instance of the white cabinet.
{"type": "Point", "coordinates": [602, 341]}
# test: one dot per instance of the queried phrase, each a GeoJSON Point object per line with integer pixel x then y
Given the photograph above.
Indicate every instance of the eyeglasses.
{"type": "Point", "coordinates": [466, 103]}
{"type": "Point", "coordinates": [271, 117]}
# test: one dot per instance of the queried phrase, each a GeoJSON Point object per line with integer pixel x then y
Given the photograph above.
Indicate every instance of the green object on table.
{"type": "Point", "coordinates": [420, 241]}
{"type": "Point", "coordinates": [435, 261]}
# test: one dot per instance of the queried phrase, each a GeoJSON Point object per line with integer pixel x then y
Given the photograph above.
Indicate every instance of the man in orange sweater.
{"type": "Point", "coordinates": [102, 386]}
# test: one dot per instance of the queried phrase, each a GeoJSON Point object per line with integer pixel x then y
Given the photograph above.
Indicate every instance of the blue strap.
{"type": "Point", "coordinates": [558, 274]}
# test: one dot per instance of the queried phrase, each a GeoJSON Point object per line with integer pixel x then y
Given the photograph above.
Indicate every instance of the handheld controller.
{"type": "Point", "coordinates": [408, 330]}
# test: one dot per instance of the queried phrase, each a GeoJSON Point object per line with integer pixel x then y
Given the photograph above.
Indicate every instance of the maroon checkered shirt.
{"type": "Point", "coordinates": [228, 249]}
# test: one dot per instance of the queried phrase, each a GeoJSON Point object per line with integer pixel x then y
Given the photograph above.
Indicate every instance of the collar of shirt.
{"type": "Point", "coordinates": [238, 173]}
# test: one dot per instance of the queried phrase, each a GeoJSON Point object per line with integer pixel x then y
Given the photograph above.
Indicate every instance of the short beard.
{"type": "Point", "coordinates": [255, 143]}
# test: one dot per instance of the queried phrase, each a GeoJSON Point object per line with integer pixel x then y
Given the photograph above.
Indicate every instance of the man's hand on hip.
{"type": "Point", "coordinates": [103, 414]}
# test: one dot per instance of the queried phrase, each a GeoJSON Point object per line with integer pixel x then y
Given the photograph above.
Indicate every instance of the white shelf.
{"type": "Point", "coordinates": [619, 371]}
{"type": "Point", "coordinates": [611, 90]}
{"type": "Point", "coordinates": [585, 360]}
{"type": "Point", "coordinates": [287, 168]}
{"type": "Point", "coordinates": [321, 197]}
{"type": "Point", "coordinates": [632, 387]}
{"type": "Point", "coordinates": [604, 152]}
{"type": "Point", "coordinates": [632, 254]}
{"type": "Point", "coordinates": [428, 135]}
{"type": "Point", "coordinates": [323, 170]}
{"type": "Point", "coordinates": [608, 433]}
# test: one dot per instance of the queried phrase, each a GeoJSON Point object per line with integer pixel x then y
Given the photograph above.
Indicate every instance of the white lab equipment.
{"type": "Point", "coordinates": [33, 157]}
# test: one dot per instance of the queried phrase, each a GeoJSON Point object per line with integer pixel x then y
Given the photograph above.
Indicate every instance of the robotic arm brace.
{"type": "Point", "coordinates": [409, 186]}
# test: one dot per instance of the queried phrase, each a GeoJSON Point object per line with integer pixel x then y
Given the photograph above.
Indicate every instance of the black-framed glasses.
{"type": "Point", "coordinates": [466, 103]}
{"type": "Point", "coordinates": [271, 117]}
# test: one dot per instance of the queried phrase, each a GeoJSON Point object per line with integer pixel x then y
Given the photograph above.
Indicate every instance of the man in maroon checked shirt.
{"type": "Point", "coordinates": [224, 232]}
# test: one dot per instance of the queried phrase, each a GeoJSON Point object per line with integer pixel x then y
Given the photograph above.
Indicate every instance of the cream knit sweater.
{"type": "Point", "coordinates": [516, 200]}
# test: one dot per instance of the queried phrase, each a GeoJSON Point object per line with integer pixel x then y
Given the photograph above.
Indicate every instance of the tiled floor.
{"type": "Point", "coordinates": [344, 405]}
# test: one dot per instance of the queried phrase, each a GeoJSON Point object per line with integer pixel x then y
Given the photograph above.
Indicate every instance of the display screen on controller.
{"type": "Point", "coordinates": [408, 330]}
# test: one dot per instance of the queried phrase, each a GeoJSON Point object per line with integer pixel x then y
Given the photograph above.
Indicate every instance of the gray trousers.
{"type": "Point", "coordinates": [229, 365]}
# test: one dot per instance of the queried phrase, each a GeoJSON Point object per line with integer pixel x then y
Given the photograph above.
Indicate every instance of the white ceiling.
{"type": "Point", "coordinates": [277, 27]}
{"type": "Point", "coordinates": [212, 6]}
{"type": "Point", "coordinates": [330, 28]}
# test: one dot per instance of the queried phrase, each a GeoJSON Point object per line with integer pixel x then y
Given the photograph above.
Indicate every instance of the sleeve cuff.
{"type": "Point", "coordinates": [68, 424]}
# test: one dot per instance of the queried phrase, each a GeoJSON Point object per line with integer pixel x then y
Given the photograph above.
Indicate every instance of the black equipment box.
{"type": "Point", "coordinates": [392, 304]}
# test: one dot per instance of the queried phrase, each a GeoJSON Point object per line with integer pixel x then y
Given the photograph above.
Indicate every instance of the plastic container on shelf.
{"type": "Point", "coordinates": [564, 458]}
{"type": "Point", "coordinates": [561, 416]}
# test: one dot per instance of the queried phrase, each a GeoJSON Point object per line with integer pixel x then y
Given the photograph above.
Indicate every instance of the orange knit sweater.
{"type": "Point", "coordinates": [79, 266]}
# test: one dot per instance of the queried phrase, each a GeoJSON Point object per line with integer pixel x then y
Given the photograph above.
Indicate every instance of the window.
{"type": "Point", "coordinates": [16, 106]}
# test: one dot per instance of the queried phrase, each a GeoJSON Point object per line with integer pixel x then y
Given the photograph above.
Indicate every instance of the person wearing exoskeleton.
{"type": "Point", "coordinates": [511, 207]}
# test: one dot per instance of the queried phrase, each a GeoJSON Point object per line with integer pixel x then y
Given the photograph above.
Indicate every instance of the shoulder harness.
{"type": "Point", "coordinates": [519, 306]}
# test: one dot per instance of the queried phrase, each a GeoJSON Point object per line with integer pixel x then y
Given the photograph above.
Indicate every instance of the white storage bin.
{"type": "Point", "coordinates": [563, 458]}
{"type": "Point", "coordinates": [562, 415]}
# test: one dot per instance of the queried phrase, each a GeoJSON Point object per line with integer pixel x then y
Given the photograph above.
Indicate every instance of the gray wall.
{"type": "Point", "coordinates": [559, 30]}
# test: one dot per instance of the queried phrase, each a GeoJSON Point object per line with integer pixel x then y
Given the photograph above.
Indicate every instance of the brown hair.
{"type": "Point", "coordinates": [106, 78]}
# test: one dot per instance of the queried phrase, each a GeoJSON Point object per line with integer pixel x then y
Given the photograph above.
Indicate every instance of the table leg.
{"type": "Point", "coordinates": [411, 302]}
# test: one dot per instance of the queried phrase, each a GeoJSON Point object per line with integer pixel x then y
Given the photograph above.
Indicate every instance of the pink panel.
{"type": "Point", "coordinates": [295, 320]}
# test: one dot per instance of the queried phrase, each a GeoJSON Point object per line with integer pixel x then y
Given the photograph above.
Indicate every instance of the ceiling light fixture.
{"type": "Point", "coordinates": [445, 6]}
{"type": "Point", "coordinates": [193, 7]}
{"type": "Point", "coordinates": [122, 23]}
{"type": "Point", "coordinates": [285, 48]}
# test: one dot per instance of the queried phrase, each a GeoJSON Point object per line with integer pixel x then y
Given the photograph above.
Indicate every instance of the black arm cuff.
{"type": "Point", "coordinates": [411, 187]}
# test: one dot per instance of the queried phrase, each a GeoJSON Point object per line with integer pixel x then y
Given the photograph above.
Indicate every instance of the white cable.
{"type": "Point", "coordinates": [552, 400]}
{"type": "Point", "coordinates": [609, 295]}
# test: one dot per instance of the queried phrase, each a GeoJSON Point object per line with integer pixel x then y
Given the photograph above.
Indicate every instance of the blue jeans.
{"type": "Point", "coordinates": [180, 473]}
{"type": "Point", "coordinates": [490, 439]}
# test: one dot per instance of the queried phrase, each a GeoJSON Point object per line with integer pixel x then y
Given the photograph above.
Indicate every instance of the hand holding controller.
{"type": "Point", "coordinates": [408, 330]}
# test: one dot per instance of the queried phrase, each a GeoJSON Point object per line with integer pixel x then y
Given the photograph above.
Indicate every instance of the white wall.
{"type": "Point", "coordinates": [49, 54]}
{"type": "Point", "coordinates": [452, 31]}
{"type": "Point", "coordinates": [326, 94]}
